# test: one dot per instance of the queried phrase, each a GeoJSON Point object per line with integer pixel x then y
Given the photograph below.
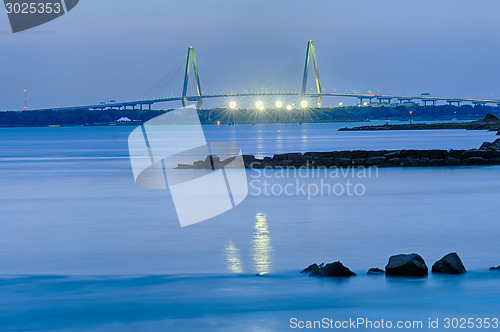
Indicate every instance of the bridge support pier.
{"type": "Point", "coordinates": [381, 100]}
{"type": "Point", "coordinates": [363, 98]}
{"type": "Point", "coordinates": [450, 102]}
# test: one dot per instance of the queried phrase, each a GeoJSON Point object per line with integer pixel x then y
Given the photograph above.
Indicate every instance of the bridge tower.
{"type": "Point", "coordinates": [191, 57]}
{"type": "Point", "coordinates": [311, 53]}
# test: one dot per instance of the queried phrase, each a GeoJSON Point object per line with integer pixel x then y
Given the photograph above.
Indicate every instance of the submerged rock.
{"type": "Point", "coordinates": [411, 265]}
{"type": "Point", "coordinates": [375, 270]}
{"type": "Point", "coordinates": [449, 264]}
{"type": "Point", "coordinates": [336, 269]}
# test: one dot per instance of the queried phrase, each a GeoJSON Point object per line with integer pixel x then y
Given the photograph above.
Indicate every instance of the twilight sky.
{"type": "Point", "coordinates": [126, 50]}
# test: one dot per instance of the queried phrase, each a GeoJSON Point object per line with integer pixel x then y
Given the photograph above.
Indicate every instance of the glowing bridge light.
{"type": "Point", "coordinates": [365, 103]}
{"type": "Point", "coordinates": [303, 104]}
{"type": "Point", "coordinates": [289, 107]}
{"type": "Point", "coordinates": [259, 105]}
{"type": "Point", "coordinates": [279, 104]}
{"type": "Point", "coordinates": [232, 105]}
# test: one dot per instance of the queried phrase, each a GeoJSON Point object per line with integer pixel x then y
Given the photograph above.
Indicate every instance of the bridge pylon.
{"type": "Point", "coordinates": [311, 53]}
{"type": "Point", "coordinates": [191, 57]}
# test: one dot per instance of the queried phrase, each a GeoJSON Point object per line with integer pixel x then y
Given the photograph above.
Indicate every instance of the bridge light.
{"type": "Point", "coordinates": [232, 105]}
{"type": "Point", "coordinates": [259, 105]}
{"type": "Point", "coordinates": [303, 104]}
{"type": "Point", "coordinates": [365, 104]}
{"type": "Point", "coordinates": [279, 104]}
{"type": "Point", "coordinates": [289, 107]}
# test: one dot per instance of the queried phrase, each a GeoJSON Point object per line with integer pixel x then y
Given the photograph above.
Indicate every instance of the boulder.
{"type": "Point", "coordinates": [311, 268]}
{"type": "Point", "coordinates": [322, 154]}
{"type": "Point", "coordinates": [468, 154]}
{"type": "Point", "coordinates": [450, 161]}
{"type": "Point", "coordinates": [377, 153]}
{"type": "Point", "coordinates": [343, 154]}
{"type": "Point", "coordinates": [375, 161]}
{"type": "Point", "coordinates": [359, 162]}
{"type": "Point", "coordinates": [411, 265]}
{"type": "Point", "coordinates": [475, 161]}
{"type": "Point", "coordinates": [248, 158]}
{"type": "Point", "coordinates": [436, 162]}
{"type": "Point", "coordinates": [201, 164]}
{"type": "Point", "coordinates": [449, 264]}
{"type": "Point", "coordinates": [359, 154]}
{"type": "Point", "coordinates": [322, 162]}
{"type": "Point", "coordinates": [342, 162]}
{"type": "Point", "coordinates": [336, 269]}
{"type": "Point", "coordinates": [277, 157]}
{"type": "Point", "coordinates": [393, 154]}
{"type": "Point", "coordinates": [295, 156]}
{"type": "Point", "coordinates": [375, 270]}
{"type": "Point", "coordinates": [484, 154]}
{"type": "Point", "coordinates": [490, 118]}
{"type": "Point", "coordinates": [485, 146]}
{"type": "Point", "coordinates": [456, 153]}
{"type": "Point", "coordinates": [495, 145]}
{"type": "Point", "coordinates": [436, 154]}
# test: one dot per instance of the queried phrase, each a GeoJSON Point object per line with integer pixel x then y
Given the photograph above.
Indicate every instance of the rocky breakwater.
{"type": "Point", "coordinates": [487, 154]}
{"type": "Point", "coordinates": [490, 122]}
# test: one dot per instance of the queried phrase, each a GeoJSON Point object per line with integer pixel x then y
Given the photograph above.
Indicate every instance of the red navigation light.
{"type": "Point", "coordinates": [411, 113]}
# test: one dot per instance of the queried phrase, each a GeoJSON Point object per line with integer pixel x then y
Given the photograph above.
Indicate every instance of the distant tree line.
{"type": "Point", "coordinates": [350, 113]}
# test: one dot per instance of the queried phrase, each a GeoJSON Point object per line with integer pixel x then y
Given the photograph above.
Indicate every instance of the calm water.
{"type": "Point", "coordinates": [83, 248]}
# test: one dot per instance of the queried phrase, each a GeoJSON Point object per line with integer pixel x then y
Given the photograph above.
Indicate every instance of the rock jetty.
{"type": "Point", "coordinates": [487, 154]}
{"type": "Point", "coordinates": [490, 122]}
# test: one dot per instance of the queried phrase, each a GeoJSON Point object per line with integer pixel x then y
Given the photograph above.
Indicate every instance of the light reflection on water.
{"type": "Point", "coordinates": [233, 258]}
{"type": "Point", "coordinates": [262, 248]}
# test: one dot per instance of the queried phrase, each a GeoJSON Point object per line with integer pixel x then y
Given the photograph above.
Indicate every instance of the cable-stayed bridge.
{"type": "Point", "coordinates": [199, 97]}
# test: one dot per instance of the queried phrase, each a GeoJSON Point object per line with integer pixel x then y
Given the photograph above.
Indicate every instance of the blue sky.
{"type": "Point", "coordinates": [125, 50]}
